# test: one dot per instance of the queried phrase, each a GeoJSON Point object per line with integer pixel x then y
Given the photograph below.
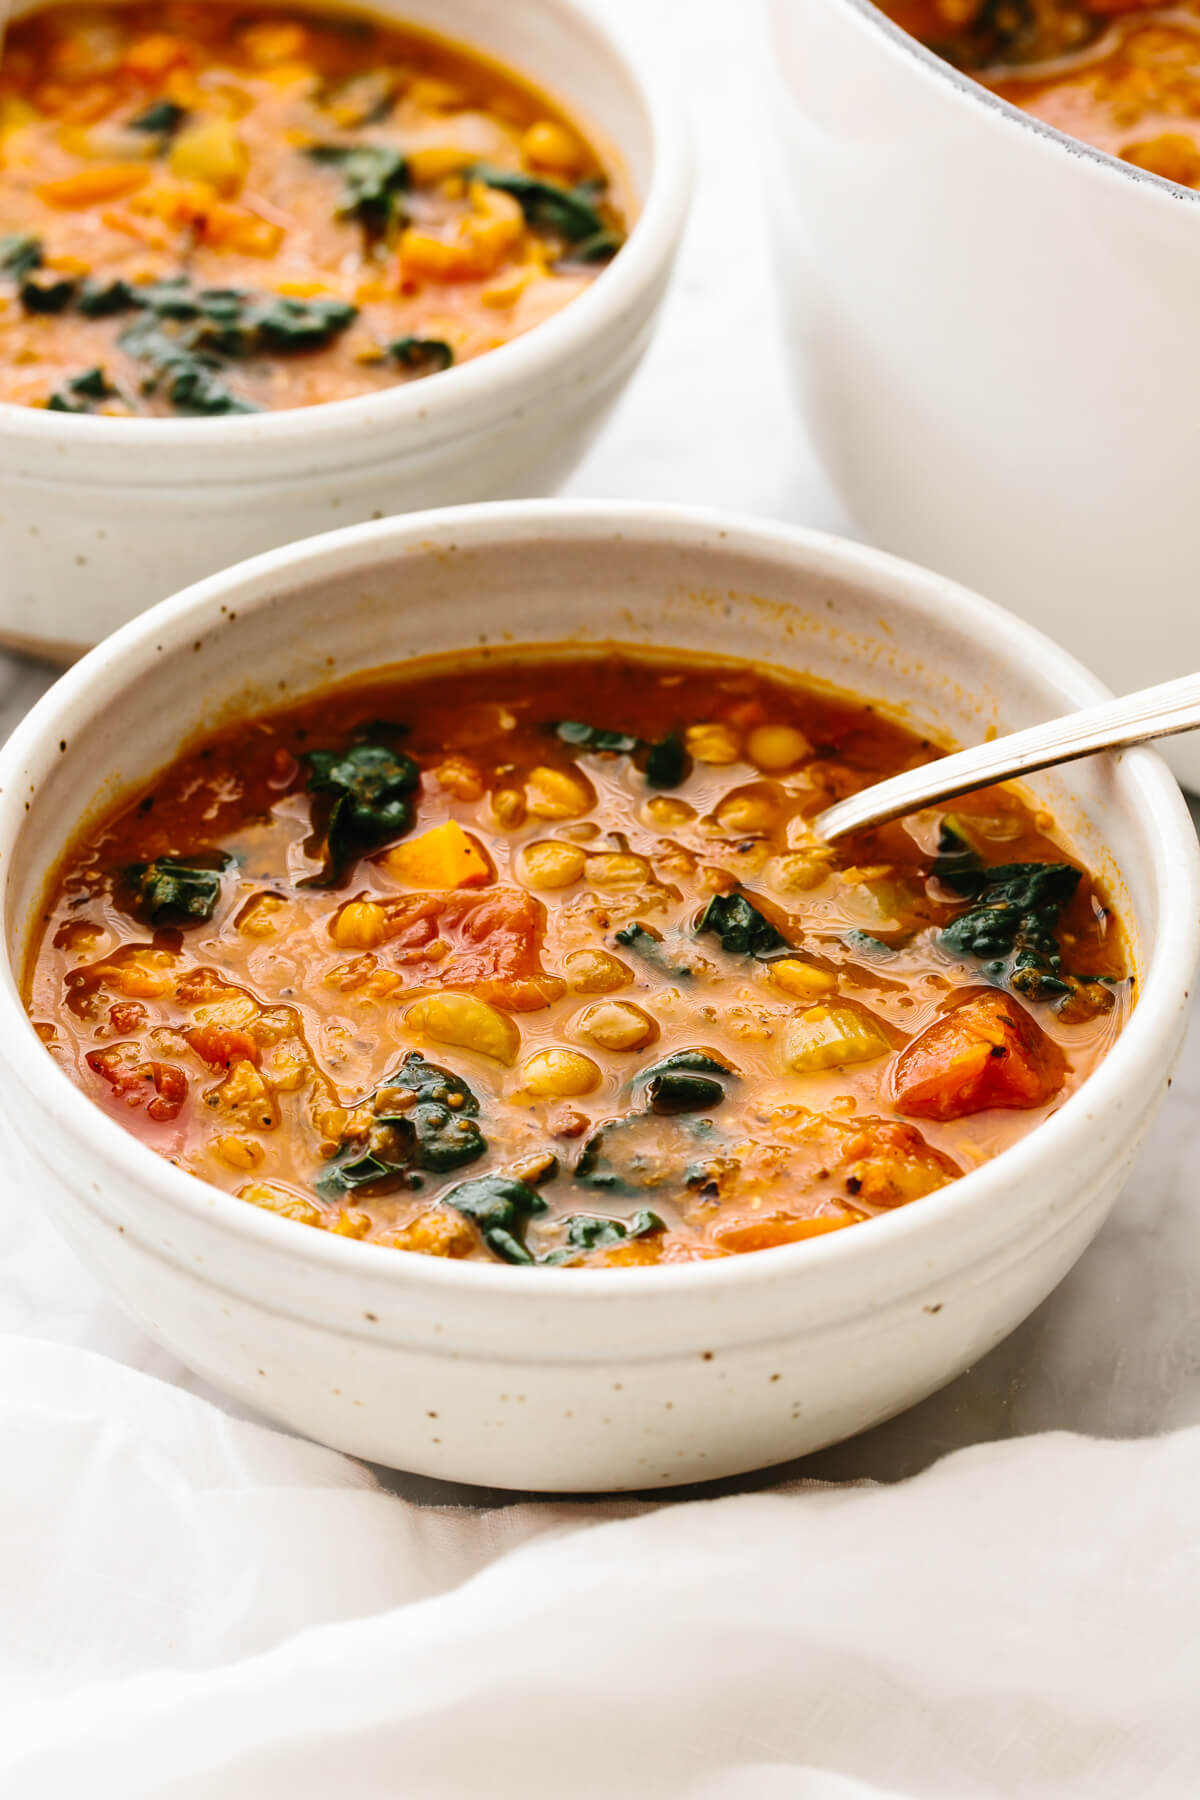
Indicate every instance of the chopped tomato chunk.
{"type": "Point", "coordinates": [222, 1045]}
{"type": "Point", "coordinates": [160, 1087]}
{"type": "Point", "coordinates": [489, 943]}
{"type": "Point", "coordinates": [987, 1051]}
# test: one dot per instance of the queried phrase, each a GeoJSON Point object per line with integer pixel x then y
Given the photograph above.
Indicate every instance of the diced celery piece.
{"type": "Point", "coordinates": [829, 1037]}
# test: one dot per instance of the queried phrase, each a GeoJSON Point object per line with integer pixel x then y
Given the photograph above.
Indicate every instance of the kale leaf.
{"type": "Point", "coordinates": [589, 1231]}
{"type": "Point", "coordinates": [499, 1206]}
{"type": "Point", "coordinates": [742, 929]}
{"type": "Point", "coordinates": [421, 356]}
{"type": "Point", "coordinates": [101, 299]}
{"type": "Point", "coordinates": [20, 254]}
{"type": "Point", "coordinates": [687, 1081]}
{"type": "Point", "coordinates": [1011, 926]}
{"type": "Point", "coordinates": [78, 391]}
{"type": "Point", "coordinates": [46, 293]}
{"type": "Point", "coordinates": [677, 1092]}
{"type": "Point", "coordinates": [162, 119]}
{"type": "Point", "coordinates": [190, 382]}
{"type": "Point", "coordinates": [371, 785]}
{"type": "Point", "coordinates": [665, 764]}
{"type": "Point", "coordinates": [652, 950]}
{"type": "Point", "coordinates": [866, 944]}
{"type": "Point", "coordinates": [643, 1151]}
{"type": "Point", "coordinates": [373, 178]}
{"type": "Point", "coordinates": [547, 205]}
{"type": "Point", "coordinates": [173, 891]}
{"type": "Point", "coordinates": [438, 1133]}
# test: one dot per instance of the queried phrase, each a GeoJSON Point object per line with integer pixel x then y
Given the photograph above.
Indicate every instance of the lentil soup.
{"type": "Point", "coordinates": [209, 210]}
{"type": "Point", "coordinates": [535, 957]}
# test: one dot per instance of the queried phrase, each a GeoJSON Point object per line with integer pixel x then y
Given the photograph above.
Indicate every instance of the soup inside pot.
{"type": "Point", "coordinates": [535, 957]}
{"type": "Point", "coordinates": [1116, 74]}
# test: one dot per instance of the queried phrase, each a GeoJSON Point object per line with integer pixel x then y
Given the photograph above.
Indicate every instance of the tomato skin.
{"type": "Point", "coordinates": [987, 1051]}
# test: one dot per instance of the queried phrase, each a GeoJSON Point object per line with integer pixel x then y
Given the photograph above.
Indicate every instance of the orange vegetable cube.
{"type": "Point", "coordinates": [87, 187]}
{"type": "Point", "coordinates": [445, 857]}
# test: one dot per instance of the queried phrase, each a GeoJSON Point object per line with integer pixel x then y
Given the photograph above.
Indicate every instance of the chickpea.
{"type": "Point", "coordinates": [803, 980]}
{"type": "Point", "coordinates": [558, 794]}
{"type": "Point", "coordinates": [549, 145]}
{"type": "Point", "coordinates": [468, 1023]}
{"type": "Point", "coordinates": [617, 1025]}
{"type": "Point", "coordinates": [359, 925]}
{"type": "Point", "coordinates": [799, 871]}
{"type": "Point", "coordinates": [508, 808]}
{"type": "Point", "coordinates": [238, 1152]}
{"type": "Point", "coordinates": [549, 864]}
{"type": "Point", "coordinates": [747, 814]}
{"type": "Point", "coordinates": [666, 813]}
{"type": "Point", "coordinates": [617, 869]}
{"type": "Point", "coordinates": [714, 743]}
{"type": "Point", "coordinates": [559, 1075]}
{"type": "Point", "coordinates": [257, 918]}
{"type": "Point", "coordinates": [773, 747]}
{"type": "Point", "coordinates": [596, 972]}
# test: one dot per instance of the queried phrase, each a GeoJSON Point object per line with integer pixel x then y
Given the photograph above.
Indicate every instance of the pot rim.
{"type": "Point", "coordinates": [973, 93]}
{"type": "Point", "coordinates": [1140, 1057]}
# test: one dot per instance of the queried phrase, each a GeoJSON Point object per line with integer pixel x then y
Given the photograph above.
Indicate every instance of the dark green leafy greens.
{"type": "Point", "coordinates": [687, 1081]}
{"type": "Point", "coordinates": [1011, 925]}
{"type": "Point", "coordinates": [589, 1231]}
{"type": "Point", "coordinates": [190, 381]}
{"type": "Point", "coordinates": [665, 764]}
{"type": "Point", "coordinates": [500, 1205]}
{"type": "Point", "coordinates": [548, 206]}
{"type": "Point", "coordinates": [20, 254]}
{"type": "Point", "coordinates": [172, 890]}
{"type": "Point", "coordinates": [866, 944]}
{"type": "Point", "coordinates": [437, 1133]}
{"type": "Point", "coordinates": [46, 293]}
{"type": "Point", "coordinates": [741, 928]}
{"type": "Point", "coordinates": [79, 391]}
{"type": "Point", "coordinates": [370, 786]}
{"type": "Point", "coordinates": [652, 950]}
{"type": "Point", "coordinates": [644, 1151]}
{"type": "Point", "coordinates": [374, 176]}
{"type": "Point", "coordinates": [421, 356]}
{"type": "Point", "coordinates": [162, 119]}
{"type": "Point", "coordinates": [102, 299]}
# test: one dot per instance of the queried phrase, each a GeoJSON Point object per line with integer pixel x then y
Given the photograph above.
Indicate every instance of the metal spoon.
{"type": "Point", "coordinates": [1132, 719]}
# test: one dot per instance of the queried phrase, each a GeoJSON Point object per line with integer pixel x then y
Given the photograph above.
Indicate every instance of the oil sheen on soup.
{"type": "Point", "coordinates": [537, 959]}
{"type": "Point", "coordinates": [208, 209]}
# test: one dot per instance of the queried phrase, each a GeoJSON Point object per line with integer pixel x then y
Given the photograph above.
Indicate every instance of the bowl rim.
{"type": "Point", "coordinates": [497, 382]}
{"type": "Point", "coordinates": [1146, 1043]}
{"type": "Point", "coordinates": [974, 93]}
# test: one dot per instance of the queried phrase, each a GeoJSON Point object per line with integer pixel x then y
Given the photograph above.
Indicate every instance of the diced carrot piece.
{"type": "Point", "coordinates": [87, 187]}
{"type": "Point", "coordinates": [987, 1052]}
{"type": "Point", "coordinates": [888, 1163]}
{"type": "Point", "coordinates": [445, 857]}
{"type": "Point", "coordinates": [741, 1235]}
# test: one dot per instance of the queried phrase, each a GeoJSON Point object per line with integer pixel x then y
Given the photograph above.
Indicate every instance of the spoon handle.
{"type": "Point", "coordinates": [1131, 719]}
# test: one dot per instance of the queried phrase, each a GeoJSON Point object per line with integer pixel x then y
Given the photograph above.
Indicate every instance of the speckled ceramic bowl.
{"type": "Point", "coordinates": [586, 1379]}
{"type": "Point", "coordinates": [100, 518]}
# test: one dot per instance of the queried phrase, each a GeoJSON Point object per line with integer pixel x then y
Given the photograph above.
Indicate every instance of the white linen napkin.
{"type": "Point", "coordinates": [196, 1606]}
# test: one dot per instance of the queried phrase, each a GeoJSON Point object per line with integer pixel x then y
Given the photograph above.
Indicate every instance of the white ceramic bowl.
{"type": "Point", "coordinates": [992, 329]}
{"type": "Point", "coordinates": [562, 1379]}
{"type": "Point", "coordinates": [100, 518]}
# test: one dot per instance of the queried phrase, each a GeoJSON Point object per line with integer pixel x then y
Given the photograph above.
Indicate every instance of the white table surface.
{"type": "Point", "coordinates": [1116, 1350]}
